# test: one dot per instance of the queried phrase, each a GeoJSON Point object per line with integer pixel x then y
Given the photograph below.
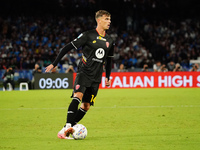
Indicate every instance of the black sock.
{"type": "Point", "coordinates": [72, 109]}
{"type": "Point", "coordinates": [79, 115]}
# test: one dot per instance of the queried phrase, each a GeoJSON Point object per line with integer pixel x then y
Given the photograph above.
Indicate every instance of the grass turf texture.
{"type": "Point", "coordinates": [150, 119]}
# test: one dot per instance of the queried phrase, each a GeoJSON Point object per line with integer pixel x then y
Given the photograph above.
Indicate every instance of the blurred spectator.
{"type": "Point", "coordinates": [195, 67]}
{"type": "Point", "coordinates": [171, 65]}
{"type": "Point", "coordinates": [70, 69]}
{"type": "Point", "coordinates": [177, 68]}
{"type": "Point", "coordinates": [157, 66]}
{"type": "Point", "coordinates": [163, 68]}
{"type": "Point", "coordinates": [126, 62]}
{"type": "Point", "coordinates": [36, 70]}
{"type": "Point", "coordinates": [145, 68]}
{"type": "Point", "coordinates": [144, 31]}
{"type": "Point", "coordinates": [9, 78]}
{"type": "Point", "coordinates": [122, 68]}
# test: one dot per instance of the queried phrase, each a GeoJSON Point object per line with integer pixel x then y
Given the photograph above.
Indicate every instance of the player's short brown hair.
{"type": "Point", "coordinates": [100, 13]}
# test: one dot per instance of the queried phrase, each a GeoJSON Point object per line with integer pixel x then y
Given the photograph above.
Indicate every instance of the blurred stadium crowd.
{"type": "Point", "coordinates": [146, 33]}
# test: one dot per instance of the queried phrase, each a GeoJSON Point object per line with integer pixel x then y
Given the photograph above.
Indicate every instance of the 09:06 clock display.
{"type": "Point", "coordinates": [50, 83]}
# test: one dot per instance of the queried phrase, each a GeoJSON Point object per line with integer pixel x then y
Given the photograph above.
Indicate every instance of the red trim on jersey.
{"type": "Point", "coordinates": [83, 61]}
{"type": "Point", "coordinates": [100, 34]}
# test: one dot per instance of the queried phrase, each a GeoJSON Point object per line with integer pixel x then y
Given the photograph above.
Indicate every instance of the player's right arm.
{"type": "Point", "coordinates": [64, 50]}
{"type": "Point", "coordinates": [78, 42]}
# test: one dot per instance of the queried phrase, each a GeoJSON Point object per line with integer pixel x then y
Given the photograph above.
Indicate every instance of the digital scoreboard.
{"type": "Point", "coordinates": [53, 81]}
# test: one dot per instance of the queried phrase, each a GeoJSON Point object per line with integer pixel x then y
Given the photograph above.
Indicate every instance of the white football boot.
{"type": "Point", "coordinates": [65, 132]}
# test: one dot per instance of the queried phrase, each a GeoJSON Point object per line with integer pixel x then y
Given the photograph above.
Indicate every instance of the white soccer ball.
{"type": "Point", "coordinates": [80, 132]}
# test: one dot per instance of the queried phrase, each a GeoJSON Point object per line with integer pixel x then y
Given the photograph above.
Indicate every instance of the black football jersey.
{"type": "Point", "coordinates": [95, 49]}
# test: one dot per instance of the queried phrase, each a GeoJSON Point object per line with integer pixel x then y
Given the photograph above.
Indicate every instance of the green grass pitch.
{"type": "Point", "coordinates": [122, 119]}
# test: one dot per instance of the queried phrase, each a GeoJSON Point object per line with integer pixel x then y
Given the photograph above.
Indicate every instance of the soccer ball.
{"type": "Point", "coordinates": [80, 132]}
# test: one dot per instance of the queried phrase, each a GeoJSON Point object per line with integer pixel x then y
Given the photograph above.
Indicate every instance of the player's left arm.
{"type": "Point", "coordinates": [108, 66]}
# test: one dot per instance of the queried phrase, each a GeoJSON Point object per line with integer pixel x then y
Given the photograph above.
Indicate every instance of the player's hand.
{"type": "Point", "coordinates": [49, 68]}
{"type": "Point", "coordinates": [108, 82]}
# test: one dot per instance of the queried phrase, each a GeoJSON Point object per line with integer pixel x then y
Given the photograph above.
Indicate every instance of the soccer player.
{"type": "Point", "coordinates": [97, 47]}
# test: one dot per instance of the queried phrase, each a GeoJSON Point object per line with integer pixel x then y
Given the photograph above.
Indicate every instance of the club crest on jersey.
{"type": "Point", "coordinates": [100, 53]}
{"type": "Point", "coordinates": [77, 86]}
{"type": "Point", "coordinates": [107, 44]}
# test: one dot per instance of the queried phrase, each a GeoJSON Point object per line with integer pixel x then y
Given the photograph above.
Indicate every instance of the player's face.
{"type": "Point", "coordinates": [104, 22]}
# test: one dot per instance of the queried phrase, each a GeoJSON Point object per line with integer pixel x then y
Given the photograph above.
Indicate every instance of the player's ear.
{"type": "Point", "coordinates": [99, 19]}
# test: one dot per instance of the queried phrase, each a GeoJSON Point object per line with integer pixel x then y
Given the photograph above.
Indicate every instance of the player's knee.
{"type": "Point", "coordinates": [79, 95]}
{"type": "Point", "coordinates": [85, 106]}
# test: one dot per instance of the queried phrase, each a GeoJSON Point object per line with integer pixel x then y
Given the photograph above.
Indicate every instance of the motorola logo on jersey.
{"type": "Point", "coordinates": [100, 53]}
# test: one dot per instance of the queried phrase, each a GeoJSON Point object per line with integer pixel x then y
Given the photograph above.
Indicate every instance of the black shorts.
{"type": "Point", "coordinates": [87, 87]}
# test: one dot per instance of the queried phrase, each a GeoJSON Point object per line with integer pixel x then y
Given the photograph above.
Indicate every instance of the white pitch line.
{"type": "Point", "coordinates": [111, 107]}
{"type": "Point", "coordinates": [162, 106]}
{"type": "Point", "coordinates": [31, 108]}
